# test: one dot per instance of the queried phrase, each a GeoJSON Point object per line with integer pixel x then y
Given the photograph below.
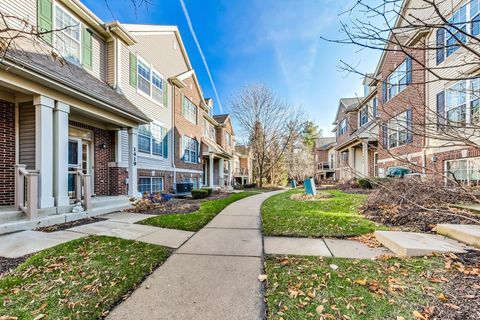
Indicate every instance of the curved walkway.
{"type": "Point", "coordinates": [214, 275]}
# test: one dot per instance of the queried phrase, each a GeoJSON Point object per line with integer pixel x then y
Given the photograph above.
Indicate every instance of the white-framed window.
{"type": "Point", "coordinates": [209, 130]}
{"type": "Point", "coordinates": [475, 17]}
{"type": "Point", "coordinates": [150, 139]}
{"type": "Point", "coordinates": [456, 103]}
{"type": "Point", "coordinates": [375, 107]}
{"type": "Point", "coordinates": [189, 110]}
{"type": "Point", "coordinates": [193, 181]}
{"type": "Point", "coordinates": [67, 39]}
{"type": "Point", "coordinates": [363, 116]}
{"type": "Point", "coordinates": [228, 139]}
{"type": "Point", "coordinates": [190, 149]}
{"type": "Point", "coordinates": [150, 82]}
{"type": "Point", "coordinates": [397, 130]}
{"type": "Point", "coordinates": [465, 170]}
{"type": "Point", "coordinates": [397, 80]}
{"type": "Point", "coordinates": [457, 22]}
{"type": "Point", "coordinates": [150, 184]}
{"type": "Point", "coordinates": [475, 101]}
{"type": "Point", "coordinates": [342, 127]}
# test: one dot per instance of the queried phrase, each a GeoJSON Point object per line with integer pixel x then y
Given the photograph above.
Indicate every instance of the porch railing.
{"type": "Point", "coordinates": [321, 166]}
{"type": "Point", "coordinates": [240, 172]}
{"type": "Point", "coordinates": [83, 189]}
{"type": "Point", "coordinates": [26, 191]}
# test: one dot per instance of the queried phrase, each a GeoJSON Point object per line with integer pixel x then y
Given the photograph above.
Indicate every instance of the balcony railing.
{"type": "Point", "coordinates": [240, 172]}
{"type": "Point", "coordinates": [26, 191]}
{"type": "Point", "coordinates": [323, 166]}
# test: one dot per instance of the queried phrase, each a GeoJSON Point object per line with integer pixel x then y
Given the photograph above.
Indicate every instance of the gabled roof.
{"type": "Point", "coordinates": [348, 104]}
{"type": "Point", "coordinates": [221, 118]}
{"type": "Point", "coordinates": [74, 78]}
{"type": "Point", "coordinates": [324, 143]}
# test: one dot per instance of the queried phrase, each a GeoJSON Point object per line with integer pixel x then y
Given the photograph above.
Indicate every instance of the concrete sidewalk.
{"type": "Point", "coordinates": [214, 275]}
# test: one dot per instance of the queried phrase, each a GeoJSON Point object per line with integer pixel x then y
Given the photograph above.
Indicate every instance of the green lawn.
{"type": "Point", "coordinates": [309, 288]}
{"type": "Point", "coordinates": [336, 216]}
{"type": "Point", "coordinates": [81, 279]}
{"type": "Point", "coordinates": [195, 221]}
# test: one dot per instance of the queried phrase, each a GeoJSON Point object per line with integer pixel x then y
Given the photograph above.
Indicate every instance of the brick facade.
{"type": "Point", "coordinates": [413, 96]}
{"type": "Point", "coordinates": [104, 150]}
{"type": "Point", "coordinates": [7, 154]}
{"type": "Point", "coordinates": [117, 178]}
{"type": "Point", "coordinates": [166, 175]}
{"type": "Point", "coordinates": [184, 126]}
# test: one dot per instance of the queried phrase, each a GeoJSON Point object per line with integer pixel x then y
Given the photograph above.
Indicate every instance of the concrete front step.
{"type": "Point", "coordinates": [412, 244]}
{"type": "Point", "coordinates": [469, 234]}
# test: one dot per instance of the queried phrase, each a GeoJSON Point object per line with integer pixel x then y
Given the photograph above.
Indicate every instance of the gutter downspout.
{"type": "Point", "coordinates": [173, 136]}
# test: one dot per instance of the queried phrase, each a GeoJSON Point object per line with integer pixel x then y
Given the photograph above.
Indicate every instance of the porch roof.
{"type": "Point", "coordinates": [216, 149]}
{"type": "Point", "coordinates": [365, 133]}
{"type": "Point", "coordinates": [78, 82]}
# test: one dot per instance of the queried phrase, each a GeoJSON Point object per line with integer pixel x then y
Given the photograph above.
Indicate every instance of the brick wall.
{"type": "Point", "coordinates": [102, 156]}
{"type": "Point", "coordinates": [185, 127]}
{"type": "Point", "coordinates": [7, 153]}
{"type": "Point", "coordinates": [412, 96]}
{"type": "Point", "coordinates": [117, 183]}
{"type": "Point", "coordinates": [352, 124]}
{"type": "Point", "coordinates": [166, 175]}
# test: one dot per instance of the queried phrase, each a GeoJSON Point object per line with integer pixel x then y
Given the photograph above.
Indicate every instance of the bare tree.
{"type": "Point", "coordinates": [406, 28]}
{"type": "Point", "coordinates": [270, 123]}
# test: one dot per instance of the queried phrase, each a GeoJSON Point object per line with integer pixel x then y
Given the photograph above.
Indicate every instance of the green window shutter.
{"type": "Point", "coordinates": [165, 143]}
{"type": "Point", "coordinates": [165, 93]}
{"type": "Point", "coordinates": [133, 70]}
{"type": "Point", "coordinates": [87, 48]}
{"type": "Point", "coordinates": [45, 19]}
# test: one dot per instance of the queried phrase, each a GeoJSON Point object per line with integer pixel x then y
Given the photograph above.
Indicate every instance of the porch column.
{"type": "Point", "coordinates": [365, 159]}
{"type": "Point", "coordinates": [60, 154]}
{"type": "Point", "coordinates": [44, 149]}
{"type": "Point", "coordinates": [221, 173]}
{"type": "Point", "coordinates": [230, 171]}
{"type": "Point", "coordinates": [132, 161]}
{"type": "Point", "coordinates": [351, 162]}
{"type": "Point", "coordinates": [210, 174]}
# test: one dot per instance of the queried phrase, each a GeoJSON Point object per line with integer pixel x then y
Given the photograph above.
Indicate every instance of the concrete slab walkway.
{"type": "Point", "coordinates": [15, 245]}
{"type": "Point", "coordinates": [322, 247]}
{"type": "Point", "coordinates": [214, 275]}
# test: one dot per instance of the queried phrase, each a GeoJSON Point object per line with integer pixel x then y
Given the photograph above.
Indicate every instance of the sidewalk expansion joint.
{"type": "Point", "coordinates": [216, 255]}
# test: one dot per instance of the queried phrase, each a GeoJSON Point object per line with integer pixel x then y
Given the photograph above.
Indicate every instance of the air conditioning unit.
{"type": "Point", "coordinates": [184, 187]}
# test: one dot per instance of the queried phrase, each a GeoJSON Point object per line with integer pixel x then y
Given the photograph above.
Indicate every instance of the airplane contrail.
{"type": "Point", "coordinates": [192, 31]}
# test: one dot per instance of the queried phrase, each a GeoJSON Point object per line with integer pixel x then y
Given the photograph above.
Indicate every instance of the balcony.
{"type": "Point", "coordinates": [325, 166]}
{"type": "Point", "coordinates": [240, 172]}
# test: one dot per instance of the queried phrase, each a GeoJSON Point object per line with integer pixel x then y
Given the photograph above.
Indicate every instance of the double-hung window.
{"type": "Point", "coordinates": [189, 110]}
{"type": "Point", "coordinates": [144, 77]}
{"type": "Point", "coordinates": [397, 81]}
{"type": "Point", "coordinates": [363, 116]}
{"type": "Point", "coordinates": [475, 101]}
{"type": "Point", "coordinates": [209, 130]}
{"type": "Point", "coordinates": [150, 139]}
{"type": "Point", "coordinates": [457, 24]}
{"type": "Point", "coordinates": [343, 127]}
{"type": "Point", "coordinates": [398, 131]}
{"type": "Point", "coordinates": [464, 170]}
{"type": "Point", "coordinates": [228, 139]}
{"type": "Point", "coordinates": [375, 107]}
{"type": "Point", "coordinates": [67, 38]}
{"type": "Point", "coordinates": [150, 82]}
{"type": "Point", "coordinates": [475, 17]}
{"type": "Point", "coordinates": [456, 103]}
{"type": "Point", "coordinates": [190, 150]}
{"type": "Point", "coordinates": [150, 185]}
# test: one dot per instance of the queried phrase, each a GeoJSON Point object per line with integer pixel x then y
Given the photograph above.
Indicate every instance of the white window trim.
{"type": "Point", "coordinates": [340, 130]}
{"type": "Point", "coordinates": [80, 25]}
{"type": "Point", "coordinates": [398, 130]}
{"type": "Point", "coordinates": [185, 113]}
{"type": "Point", "coordinates": [397, 85]}
{"type": "Point", "coordinates": [151, 180]}
{"type": "Point", "coordinates": [196, 151]}
{"type": "Point", "coordinates": [360, 116]}
{"type": "Point", "coordinates": [151, 154]}
{"type": "Point", "coordinates": [152, 70]}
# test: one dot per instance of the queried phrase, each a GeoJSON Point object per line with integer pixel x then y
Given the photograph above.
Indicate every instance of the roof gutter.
{"type": "Point", "coordinates": [78, 91]}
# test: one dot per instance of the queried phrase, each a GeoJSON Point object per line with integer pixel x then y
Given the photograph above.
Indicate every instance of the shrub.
{"type": "Point", "coordinates": [250, 185]}
{"type": "Point", "coordinates": [209, 190]}
{"type": "Point", "coordinates": [199, 193]}
{"type": "Point", "coordinates": [365, 183]}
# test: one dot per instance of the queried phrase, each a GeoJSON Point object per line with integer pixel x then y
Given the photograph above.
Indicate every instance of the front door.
{"type": "Point", "coordinates": [78, 158]}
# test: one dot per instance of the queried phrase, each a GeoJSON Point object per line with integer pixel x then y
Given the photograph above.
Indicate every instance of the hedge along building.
{"type": "Point", "coordinates": [60, 122]}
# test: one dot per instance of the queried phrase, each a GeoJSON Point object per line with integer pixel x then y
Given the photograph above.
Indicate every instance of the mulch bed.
{"type": "Point", "coordinates": [7, 264]}
{"type": "Point", "coordinates": [461, 300]}
{"type": "Point", "coordinates": [177, 205]}
{"type": "Point", "coordinates": [68, 225]}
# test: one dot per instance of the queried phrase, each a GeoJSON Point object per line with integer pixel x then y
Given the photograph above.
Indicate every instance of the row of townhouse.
{"type": "Point", "coordinates": [414, 109]}
{"type": "Point", "coordinates": [126, 115]}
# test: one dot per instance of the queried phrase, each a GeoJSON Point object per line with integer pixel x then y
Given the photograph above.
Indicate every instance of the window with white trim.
{"type": "Point", "coordinates": [342, 127]}
{"type": "Point", "coordinates": [190, 150]}
{"type": "Point", "coordinates": [67, 38]}
{"type": "Point", "coordinates": [397, 81]}
{"type": "Point", "coordinates": [457, 24]}
{"type": "Point", "coordinates": [150, 184]}
{"type": "Point", "coordinates": [475, 17]}
{"type": "Point", "coordinates": [209, 130]}
{"type": "Point", "coordinates": [475, 101]}
{"type": "Point", "coordinates": [150, 139]}
{"type": "Point", "coordinates": [228, 139]}
{"type": "Point", "coordinates": [397, 130]}
{"type": "Point", "coordinates": [465, 170]}
{"type": "Point", "coordinates": [375, 107]}
{"type": "Point", "coordinates": [189, 110]}
{"type": "Point", "coordinates": [456, 103]}
{"type": "Point", "coordinates": [149, 82]}
{"type": "Point", "coordinates": [363, 116]}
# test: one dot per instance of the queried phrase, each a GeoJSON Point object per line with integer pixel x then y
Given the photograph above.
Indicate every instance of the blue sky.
{"type": "Point", "coordinates": [276, 42]}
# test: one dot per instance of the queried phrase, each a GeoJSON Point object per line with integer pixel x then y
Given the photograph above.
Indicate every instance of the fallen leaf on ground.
{"type": "Point", "coordinates": [320, 309]}
{"type": "Point", "coordinates": [262, 277]}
